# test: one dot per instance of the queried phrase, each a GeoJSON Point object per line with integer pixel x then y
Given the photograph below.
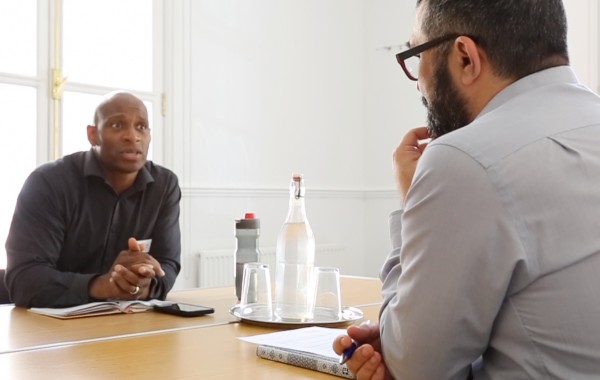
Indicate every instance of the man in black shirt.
{"type": "Point", "coordinates": [73, 237]}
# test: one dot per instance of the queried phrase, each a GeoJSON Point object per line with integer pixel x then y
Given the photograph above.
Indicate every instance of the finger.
{"type": "Point", "coordinates": [413, 139]}
{"type": "Point", "coordinates": [125, 279]}
{"type": "Point", "coordinates": [364, 333]}
{"type": "Point", "coordinates": [130, 258]}
{"type": "Point", "coordinates": [157, 268]}
{"type": "Point", "coordinates": [150, 261]}
{"type": "Point", "coordinates": [341, 343]}
{"type": "Point", "coordinates": [381, 372]}
{"type": "Point", "coordinates": [372, 369]}
{"type": "Point", "coordinates": [132, 277]}
{"type": "Point", "coordinates": [126, 290]}
{"type": "Point", "coordinates": [122, 287]}
{"type": "Point", "coordinates": [413, 136]}
{"type": "Point", "coordinates": [360, 359]}
{"type": "Point", "coordinates": [133, 245]}
{"type": "Point", "coordinates": [144, 270]}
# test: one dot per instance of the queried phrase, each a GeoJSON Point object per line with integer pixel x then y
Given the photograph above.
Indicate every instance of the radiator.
{"type": "Point", "coordinates": [216, 267]}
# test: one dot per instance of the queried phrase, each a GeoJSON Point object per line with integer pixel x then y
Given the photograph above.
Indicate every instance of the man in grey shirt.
{"type": "Point", "coordinates": [495, 265]}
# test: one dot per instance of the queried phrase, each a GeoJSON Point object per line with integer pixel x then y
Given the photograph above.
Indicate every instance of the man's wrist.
{"type": "Point", "coordinates": [96, 288]}
{"type": "Point", "coordinates": [152, 289]}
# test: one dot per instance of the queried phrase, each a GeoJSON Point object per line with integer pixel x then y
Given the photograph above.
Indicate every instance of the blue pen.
{"type": "Point", "coordinates": [347, 353]}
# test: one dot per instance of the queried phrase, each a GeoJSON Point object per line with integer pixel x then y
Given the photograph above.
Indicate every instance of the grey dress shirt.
{"type": "Point", "coordinates": [497, 252]}
{"type": "Point", "coordinates": [69, 226]}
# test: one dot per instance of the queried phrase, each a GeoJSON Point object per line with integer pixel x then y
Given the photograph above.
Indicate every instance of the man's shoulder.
{"type": "Point", "coordinates": [69, 163]}
{"type": "Point", "coordinates": [64, 175]}
{"type": "Point", "coordinates": [161, 173]}
{"type": "Point", "coordinates": [525, 114]}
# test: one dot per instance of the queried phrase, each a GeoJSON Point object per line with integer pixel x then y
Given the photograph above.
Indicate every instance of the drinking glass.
{"type": "Point", "coordinates": [256, 301]}
{"type": "Point", "coordinates": [327, 300]}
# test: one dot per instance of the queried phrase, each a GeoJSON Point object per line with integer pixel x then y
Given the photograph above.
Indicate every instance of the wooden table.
{"type": "Point", "coordinates": [21, 330]}
{"type": "Point", "coordinates": [204, 353]}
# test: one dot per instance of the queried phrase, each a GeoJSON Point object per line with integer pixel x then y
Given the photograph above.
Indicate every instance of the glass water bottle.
{"type": "Point", "coordinates": [295, 255]}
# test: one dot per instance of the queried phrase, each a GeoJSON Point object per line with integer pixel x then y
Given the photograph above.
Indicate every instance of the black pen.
{"type": "Point", "coordinates": [347, 353]}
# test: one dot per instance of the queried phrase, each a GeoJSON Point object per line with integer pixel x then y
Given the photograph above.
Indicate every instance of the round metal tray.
{"type": "Point", "coordinates": [349, 315]}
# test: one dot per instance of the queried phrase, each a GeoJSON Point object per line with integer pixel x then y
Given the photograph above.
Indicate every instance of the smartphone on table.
{"type": "Point", "coordinates": [185, 309]}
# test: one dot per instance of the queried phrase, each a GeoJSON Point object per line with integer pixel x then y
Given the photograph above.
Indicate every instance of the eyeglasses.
{"type": "Point", "coordinates": [410, 59]}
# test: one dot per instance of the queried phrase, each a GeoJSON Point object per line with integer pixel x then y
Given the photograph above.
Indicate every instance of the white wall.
{"type": "Point", "coordinates": [582, 19]}
{"type": "Point", "coordinates": [274, 87]}
{"type": "Point", "coordinates": [392, 107]}
{"type": "Point", "coordinates": [264, 88]}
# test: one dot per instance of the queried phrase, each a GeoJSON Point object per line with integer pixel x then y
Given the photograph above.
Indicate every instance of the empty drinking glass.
{"type": "Point", "coordinates": [256, 301]}
{"type": "Point", "coordinates": [327, 300]}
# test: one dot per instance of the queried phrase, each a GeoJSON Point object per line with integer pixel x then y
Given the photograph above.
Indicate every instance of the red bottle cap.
{"type": "Point", "coordinates": [249, 215]}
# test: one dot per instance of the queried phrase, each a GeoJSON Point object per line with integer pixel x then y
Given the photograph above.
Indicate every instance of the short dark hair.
{"type": "Point", "coordinates": [519, 37]}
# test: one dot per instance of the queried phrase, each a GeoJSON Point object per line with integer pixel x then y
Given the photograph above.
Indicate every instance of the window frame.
{"type": "Point", "coordinates": [49, 111]}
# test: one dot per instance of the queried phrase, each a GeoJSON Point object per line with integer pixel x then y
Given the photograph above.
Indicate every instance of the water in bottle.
{"type": "Point", "coordinates": [295, 255]}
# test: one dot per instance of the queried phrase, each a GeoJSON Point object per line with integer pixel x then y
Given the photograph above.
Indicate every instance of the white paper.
{"type": "Point", "coordinates": [316, 340]}
{"type": "Point", "coordinates": [145, 245]}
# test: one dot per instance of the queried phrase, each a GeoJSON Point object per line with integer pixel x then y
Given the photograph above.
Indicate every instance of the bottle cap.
{"type": "Point", "coordinates": [297, 186]}
{"type": "Point", "coordinates": [249, 222]}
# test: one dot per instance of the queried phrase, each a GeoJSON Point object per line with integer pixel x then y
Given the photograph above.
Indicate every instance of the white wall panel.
{"type": "Point", "coordinates": [336, 217]}
{"type": "Point", "coordinates": [264, 88]}
{"type": "Point", "coordinates": [582, 18]}
{"type": "Point", "coordinates": [277, 87]}
{"type": "Point", "coordinates": [392, 102]}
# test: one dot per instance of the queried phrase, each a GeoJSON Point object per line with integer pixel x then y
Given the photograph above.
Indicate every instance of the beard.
{"type": "Point", "coordinates": [447, 110]}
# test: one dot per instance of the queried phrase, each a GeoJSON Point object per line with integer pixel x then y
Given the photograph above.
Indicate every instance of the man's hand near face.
{"type": "Point", "coordinates": [406, 156]}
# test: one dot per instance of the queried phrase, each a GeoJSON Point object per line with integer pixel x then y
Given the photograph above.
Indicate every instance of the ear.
{"type": "Point", "coordinates": [468, 59]}
{"type": "Point", "coordinates": [92, 134]}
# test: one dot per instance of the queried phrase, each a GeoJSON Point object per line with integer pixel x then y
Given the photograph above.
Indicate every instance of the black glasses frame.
{"type": "Point", "coordinates": [403, 55]}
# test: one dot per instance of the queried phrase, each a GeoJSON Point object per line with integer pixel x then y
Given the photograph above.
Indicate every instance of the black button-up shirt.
{"type": "Point", "coordinates": [69, 226]}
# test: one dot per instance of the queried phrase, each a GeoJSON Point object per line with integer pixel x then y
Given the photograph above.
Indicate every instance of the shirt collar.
{"type": "Point", "coordinates": [553, 75]}
{"type": "Point", "coordinates": [91, 168]}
